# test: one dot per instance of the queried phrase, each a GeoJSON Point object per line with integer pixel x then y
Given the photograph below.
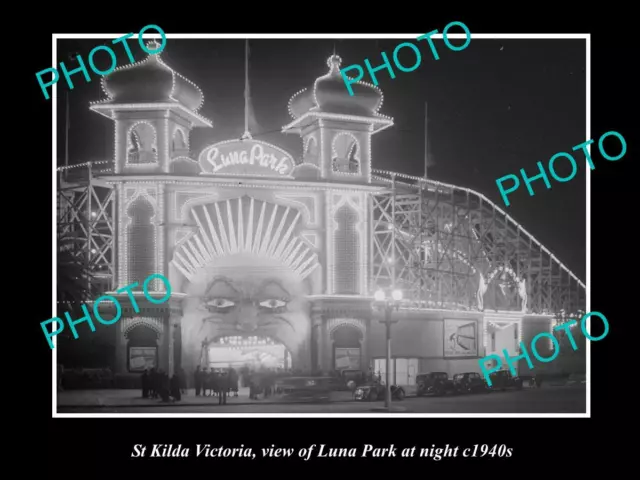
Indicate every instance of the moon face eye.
{"type": "Point", "coordinates": [219, 303]}
{"type": "Point", "coordinates": [273, 303]}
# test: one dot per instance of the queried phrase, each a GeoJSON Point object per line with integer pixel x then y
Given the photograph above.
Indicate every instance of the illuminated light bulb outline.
{"type": "Point", "coordinates": [311, 214]}
{"type": "Point", "coordinates": [289, 103]}
{"type": "Point", "coordinates": [125, 222]}
{"type": "Point", "coordinates": [353, 201]}
{"type": "Point", "coordinates": [310, 219]}
{"type": "Point", "coordinates": [130, 323]}
{"type": "Point", "coordinates": [158, 58]}
{"type": "Point", "coordinates": [258, 175]}
{"type": "Point", "coordinates": [154, 143]}
{"type": "Point", "coordinates": [283, 185]}
{"type": "Point", "coordinates": [79, 165]}
{"type": "Point", "coordinates": [203, 160]}
{"type": "Point", "coordinates": [436, 185]}
{"type": "Point", "coordinates": [503, 320]}
{"type": "Point", "coordinates": [183, 159]}
{"type": "Point", "coordinates": [301, 167]}
{"type": "Point", "coordinates": [311, 138]}
{"type": "Point", "coordinates": [334, 153]}
{"type": "Point", "coordinates": [216, 239]}
{"type": "Point", "coordinates": [378, 119]}
{"type": "Point", "coordinates": [456, 254]}
{"type": "Point", "coordinates": [503, 269]}
{"type": "Point", "coordinates": [100, 107]}
{"type": "Point", "coordinates": [167, 152]}
{"type": "Point", "coordinates": [159, 240]}
{"type": "Point", "coordinates": [330, 257]}
{"type": "Point", "coordinates": [552, 324]}
{"type": "Point", "coordinates": [183, 201]}
{"type": "Point", "coordinates": [182, 134]}
{"type": "Point", "coordinates": [365, 227]}
{"type": "Point", "coordinates": [333, 70]}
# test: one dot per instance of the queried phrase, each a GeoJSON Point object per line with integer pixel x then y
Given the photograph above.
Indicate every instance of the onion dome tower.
{"type": "Point", "coordinates": [336, 127]}
{"type": "Point", "coordinates": [154, 109]}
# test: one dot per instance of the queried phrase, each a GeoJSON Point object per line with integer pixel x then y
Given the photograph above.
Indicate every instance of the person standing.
{"type": "Point", "coordinates": [233, 382]}
{"type": "Point", "coordinates": [174, 387]}
{"type": "Point", "coordinates": [223, 387]}
{"type": "Point", "coordinates": [183, 381]}
{"type": "Point", "coordinates": [153, 383]}
{"type": "Point", "coordinates": [144, 379]}
{"type": "Point", "coordinates": [197, 380]}
{"type": "Point", "coordinates": [205, 381]}
{"type": "Point", "coordinates": [253, 385]}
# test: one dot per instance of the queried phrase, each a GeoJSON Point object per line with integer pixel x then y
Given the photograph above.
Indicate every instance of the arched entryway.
{"type": "Point", "coordinates": [142, 348]}
{"type": "Point", "coordinates": [347, 351]}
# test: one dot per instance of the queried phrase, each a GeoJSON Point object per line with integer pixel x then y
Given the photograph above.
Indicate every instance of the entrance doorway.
{"type": "Point", "coordinates": [347, 354]}
{"type": "Point", "coordinates": [247, 351]}
{"type": "Point", "coordinates": [503, 333]}
{"type": "Point", "coordinates": [402, 371]}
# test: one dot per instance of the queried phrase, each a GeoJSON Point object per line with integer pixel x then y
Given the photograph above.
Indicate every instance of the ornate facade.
{"type": "Point", "coordinates": [258, 244]}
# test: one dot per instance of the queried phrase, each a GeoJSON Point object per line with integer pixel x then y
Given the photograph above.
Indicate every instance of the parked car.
{"type": "Point", "coordinates": [373, 391]}
{"type": "Point", "coordinates": [503, 380]}
{"type": "Point", "coordinates": [469, 382]}
{"type": "Point", "coordinates": [436, 383]}
{"type": "Point", "coordinates": [308, 389]}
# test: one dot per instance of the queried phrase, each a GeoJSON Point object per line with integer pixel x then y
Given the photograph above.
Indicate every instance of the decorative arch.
{"type": "Point", "coordinates": [310, 150]}
{"type": "Point", "coordinates": [142, 144]}
{"type": "Point", "coordinates": [347, 337]}
{"type": "Point", "coordinates": [179, 140]}
{"type": "Point", "coordinates": [503, 294]}
{"type": "Point", "coordinates": [336, 323]}
{"type": "Point", "coordinates": [155, 324]}
{"type": "Point", "coordinates": [347, 253]}
{"type": "Point", "coordinates": [139, 257]}
{"type": "Point", "coordinates": [345, 154]}
{"type": "Point", "coordinates": [142, 344]}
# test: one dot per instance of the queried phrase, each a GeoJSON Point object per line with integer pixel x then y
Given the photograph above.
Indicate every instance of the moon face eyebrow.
{"type": "Point", "coordinates": [272, 288]}
{"type": "Point", "coordinates": [226, 284]}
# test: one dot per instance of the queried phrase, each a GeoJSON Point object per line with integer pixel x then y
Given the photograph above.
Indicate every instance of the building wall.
{"type": "Point", "coordinates": [421, 336]}
{"type": "Point", "coordinates": [532, 326]}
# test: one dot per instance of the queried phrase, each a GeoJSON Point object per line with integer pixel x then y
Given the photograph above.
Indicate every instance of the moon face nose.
{"type": "Point", "coordinates": [247, 326]}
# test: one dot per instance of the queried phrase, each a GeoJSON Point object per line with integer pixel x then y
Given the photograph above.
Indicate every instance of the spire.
{"type": "Point", "coordinates": [247, 94]}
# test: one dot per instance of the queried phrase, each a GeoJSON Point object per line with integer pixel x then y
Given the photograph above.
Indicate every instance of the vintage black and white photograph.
{"type": "Point", "coordinates": [293, 226]}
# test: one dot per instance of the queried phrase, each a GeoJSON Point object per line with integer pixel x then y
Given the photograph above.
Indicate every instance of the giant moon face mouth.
{"type": "Point", "coordinates": [239, 351]}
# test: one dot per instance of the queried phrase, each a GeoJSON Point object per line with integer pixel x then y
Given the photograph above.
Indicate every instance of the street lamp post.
{"type": "Point", "coordinates": [387, 306]}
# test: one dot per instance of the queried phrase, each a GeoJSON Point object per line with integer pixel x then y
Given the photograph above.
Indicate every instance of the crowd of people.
{"type": "Point", "coordinates": [225, 382]}
{"type": "Point", "coordinates": [216, 382]}
{"type": "Point", "coordinates": [157, 384]}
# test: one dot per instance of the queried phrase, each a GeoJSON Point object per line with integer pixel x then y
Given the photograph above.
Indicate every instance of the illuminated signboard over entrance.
{"type": "Point", "coordinates": [245, 157]}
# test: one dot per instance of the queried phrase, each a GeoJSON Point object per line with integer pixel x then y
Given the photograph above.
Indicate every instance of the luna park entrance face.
{"type": "Point", "coordinates": [254, 352]}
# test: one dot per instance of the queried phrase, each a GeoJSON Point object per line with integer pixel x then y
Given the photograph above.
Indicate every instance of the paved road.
{"type": "Point", "coordinates": [546, 400]}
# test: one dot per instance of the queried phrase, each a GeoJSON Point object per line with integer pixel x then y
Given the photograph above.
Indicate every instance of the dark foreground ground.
{"type": "Point", "coordinates": [565, 399]}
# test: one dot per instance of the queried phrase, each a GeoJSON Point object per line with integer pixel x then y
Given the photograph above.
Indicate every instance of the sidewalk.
{"type": "Point", "coordinates": [133, 398]}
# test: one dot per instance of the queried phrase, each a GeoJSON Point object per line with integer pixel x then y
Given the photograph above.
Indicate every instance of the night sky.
{"type": "Point", "coordinates": [495, 107]}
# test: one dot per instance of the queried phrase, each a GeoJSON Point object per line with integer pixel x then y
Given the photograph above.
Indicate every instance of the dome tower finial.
{"type": "Point", "coordinates": [334, 62]}
{"type": "Point", "coordinates": [153, 46]}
